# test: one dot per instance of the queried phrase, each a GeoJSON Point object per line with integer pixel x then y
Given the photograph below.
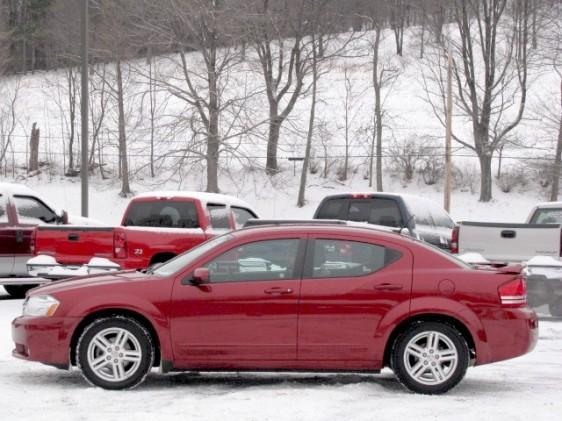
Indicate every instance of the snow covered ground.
{"type": "Point", "coordinates": [527, 388]}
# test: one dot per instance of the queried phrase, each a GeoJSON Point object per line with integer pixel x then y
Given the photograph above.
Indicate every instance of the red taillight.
{"type": "Point", "coordinates": [455, 240]}
{"type": "Point", "coordinates": [32, 243]}
{"type": "Point", "coordinates": [361, 196]}
{"type": "Point", "coordinates": [120, 244]}
{"type": "Point", "coordinates": [513, 293]}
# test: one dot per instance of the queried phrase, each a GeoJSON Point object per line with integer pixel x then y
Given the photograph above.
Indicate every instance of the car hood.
{"type": "Point", "coordinates": [88, 281]}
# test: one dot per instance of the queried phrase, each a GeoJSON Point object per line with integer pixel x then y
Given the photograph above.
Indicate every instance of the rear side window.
{"type": "Point", "coordinates": [241, 216]}
{"type": "Point", "coordinates": [340, 258]}
{"type": "Point", "coordinates": [32, 210]}
{"type": "Point", "coordinates": [219, 216]}
{"type": "Point", "coordinates": [547, 216]}
{"type": "Point", "coordinates": [166, 214]}
{"type": "Point", "coordinates": [441, 219]}
{"type": "Point", "coordinates": [3, 214]}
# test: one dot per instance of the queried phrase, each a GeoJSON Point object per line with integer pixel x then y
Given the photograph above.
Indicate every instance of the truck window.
{"type": "Point", "coordinates": [547, 216]}
{"type": "Point", "coordinates": [166, 214]}
{"type": "Point", "coordinates": [3, 214]}
{"type": "Point", "coordinates": [441, 219]}
{"type": "Point", "coordinates": [32, 211]}
{"type": "Point", "coordinates": [374, 211]}
{"type": "Point", "coordinates": [219, 216]}
{"type": "Point", "coordinates": [241, 216]}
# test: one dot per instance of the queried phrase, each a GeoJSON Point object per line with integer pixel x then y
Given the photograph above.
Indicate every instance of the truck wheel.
{"type": "Point", "coordinates": [556, 308]}
{"type": "Point", "coordinates": [115, 353]}
{"type": "Point", "coordinates": [430, 358]}
{"type": "Point", "coordinates": [18, 291]}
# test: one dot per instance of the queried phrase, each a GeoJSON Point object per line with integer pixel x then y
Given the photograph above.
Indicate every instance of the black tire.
{"type": "Point", "coordinates": [555, 308]}
{"type": "Point", "coordinates": [18, 291]}
{"type": "Point", "coordinates": [143, 340]}
{"type": "Point", "coordinates": [398, 358]}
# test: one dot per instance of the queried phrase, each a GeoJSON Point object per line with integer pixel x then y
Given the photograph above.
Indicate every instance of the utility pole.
{"type": "Point", "coordinates": [557, 158]}
{"type": "Point", "coordinates": [84, 105]}
{"type": "Point", "coordinates": [448, 133]}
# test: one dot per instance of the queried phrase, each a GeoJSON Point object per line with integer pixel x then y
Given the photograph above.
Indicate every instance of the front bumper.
{"type": "Point", "coordinates": [510, 332]}
{"type": "Point", "coordinates": [43, 339]}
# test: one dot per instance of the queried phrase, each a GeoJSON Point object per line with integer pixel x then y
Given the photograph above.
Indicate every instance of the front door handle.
{"type": "Point", "coordinates": [73, 237]}
{"type": "Point", "coordinates": [278, 291]}
{"type": "Point", "coordinates": [389, 287]}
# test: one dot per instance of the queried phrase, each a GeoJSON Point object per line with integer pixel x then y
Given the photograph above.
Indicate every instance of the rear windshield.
{"type": "Point", "coordinates": [167, 214]}
{"type": "Point", "coordinates": [547, 216]}
{"type": "Point", "coordinates": [3, 215]}
{"type": "Point", "coordinates": [373, 211]}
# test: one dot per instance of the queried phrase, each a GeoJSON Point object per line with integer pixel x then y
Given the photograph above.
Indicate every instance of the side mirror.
{"type": "Point", "coordinates": [63, 219]}
{"type": "Point", "coordinates": [200, 276]}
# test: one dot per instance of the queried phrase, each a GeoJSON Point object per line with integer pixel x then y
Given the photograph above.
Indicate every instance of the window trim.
{"type": "Point", "coordinates": [309, 258]}
{"type": "Point", "coordinates": [297, 270]}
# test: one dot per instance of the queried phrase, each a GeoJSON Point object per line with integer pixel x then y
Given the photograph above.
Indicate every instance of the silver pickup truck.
{"type": "Point", "coordinates": [536, 243]}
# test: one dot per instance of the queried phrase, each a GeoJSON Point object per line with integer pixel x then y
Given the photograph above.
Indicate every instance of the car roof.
{"type": "Point", "coordinates": [16, 189]}
{"type": "Point", "coordinates": [548, 205]}
{"type": "Point", "coordinates": [353, 228]}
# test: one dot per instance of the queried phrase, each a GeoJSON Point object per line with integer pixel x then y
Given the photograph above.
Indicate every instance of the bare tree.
{"type": "Point", "coordinates": [490, 68]}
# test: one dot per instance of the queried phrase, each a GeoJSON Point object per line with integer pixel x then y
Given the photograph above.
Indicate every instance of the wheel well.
{"type": "Point", "coordinates": [161, 258]}
{"type": "Point", "coordinates": [114, 312]}
{"type": "Point", "coordinates": [428, 318]}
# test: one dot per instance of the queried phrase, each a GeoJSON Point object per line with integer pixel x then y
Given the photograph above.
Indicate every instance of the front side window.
{"type": "Point", "coordinates": [219, 216]}
{"type": "Point", "coordinates": [32, 210]}
{"type": "Point", "coordinates": [241, 216]}
{"type": "Point", "coordinates": [258, 261]}
{"type": "Point", "coordinates": [341, 258]}
{"type": "Point", "coordinates": [547, 216]}
{"type": "Point", "coordinates": [166, 214]}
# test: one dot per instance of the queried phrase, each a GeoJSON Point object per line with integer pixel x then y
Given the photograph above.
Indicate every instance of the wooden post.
{"type": "Point", "coordinates": [448, 133]}
{"type": "Point", "coordinates": [34, 149]}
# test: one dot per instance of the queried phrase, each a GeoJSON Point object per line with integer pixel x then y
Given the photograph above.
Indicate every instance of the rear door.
{"type": "Point", "coordinates": [7, 239]}
{"type": "Point", "coordinates": [349, 286]}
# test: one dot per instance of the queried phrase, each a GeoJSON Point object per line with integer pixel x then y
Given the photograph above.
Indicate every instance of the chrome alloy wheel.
{"type": "Point", "coordinates": [430, 358]}
{"type": "Point", "coordinates": [114, 354]}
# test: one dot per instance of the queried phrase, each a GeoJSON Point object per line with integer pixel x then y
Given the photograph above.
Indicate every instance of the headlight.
{"type": "Point", "coordinates": [40, 305]}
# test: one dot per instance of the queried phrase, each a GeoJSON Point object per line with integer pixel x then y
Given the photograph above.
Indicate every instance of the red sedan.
{"type": "Point", "coordinates": [302, 297]}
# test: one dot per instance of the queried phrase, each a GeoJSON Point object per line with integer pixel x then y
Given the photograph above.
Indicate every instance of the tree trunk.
{"type": "Point", "coordinates": [485, 177]}
{"type": "Point", "coordinates": [271, 166]}
{"type": "Point", "coordinates": [557, 160]}
{"type": "Point", "coordinates": [302, 188]}
{"type": "Point", "coordinates": [124, 164]}
{"type": "Point", "coordinates": [34, 149]}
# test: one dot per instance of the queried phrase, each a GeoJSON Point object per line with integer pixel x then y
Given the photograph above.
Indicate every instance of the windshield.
{"type": "Point", "coordinates": [178, 263]}
{"type": "Point", "coordinates": [547, 216]}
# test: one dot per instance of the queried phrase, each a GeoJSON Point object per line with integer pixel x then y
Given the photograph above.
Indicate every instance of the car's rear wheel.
{"type": "Point", "coordinates": [18, 291]}
{"type": "Point", "coordinates": [555, 308]}
{"type": "Point", "coordinates": [430, 357]}
{"type": "Point", "coordinates": [115, 353]}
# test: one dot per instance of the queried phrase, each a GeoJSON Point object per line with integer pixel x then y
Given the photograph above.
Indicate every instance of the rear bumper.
{"type": "Point", "coordinates": [510, 333]}
{"type": "Point", "coordinates": [43, 339]}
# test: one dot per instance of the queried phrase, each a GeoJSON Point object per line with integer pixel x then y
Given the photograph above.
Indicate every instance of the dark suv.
{"type": "Point", "coordinates": [421, 218]}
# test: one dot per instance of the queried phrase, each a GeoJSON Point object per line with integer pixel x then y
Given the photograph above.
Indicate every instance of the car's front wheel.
{"type": "Point", "coordinates": [115, 353]}
{"type": "Point", "coordinates": [430, 357]}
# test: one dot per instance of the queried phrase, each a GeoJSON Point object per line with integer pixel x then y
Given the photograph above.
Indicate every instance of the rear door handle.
{"type": "Point", "coordinates": [389, 287]}
{"type": "Point", "coordinates": [278, 291]}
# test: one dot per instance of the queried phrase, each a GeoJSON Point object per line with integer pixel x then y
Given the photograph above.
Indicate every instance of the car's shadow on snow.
{"type": "Point", "coordinates": [234, 381]}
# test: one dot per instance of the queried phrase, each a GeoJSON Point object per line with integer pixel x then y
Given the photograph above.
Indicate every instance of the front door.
{"type": "Point", "coordinates": [349, 286]}
{"type": "Point", "coordinates": [246, 315]}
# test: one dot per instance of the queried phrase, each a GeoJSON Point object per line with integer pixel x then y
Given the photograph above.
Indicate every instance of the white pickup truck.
{"type": "Point", "coordinates": [536, 243]}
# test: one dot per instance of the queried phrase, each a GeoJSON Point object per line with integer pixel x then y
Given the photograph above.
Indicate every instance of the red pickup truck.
{"type": "Point", "coordinates": [155, 228]}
